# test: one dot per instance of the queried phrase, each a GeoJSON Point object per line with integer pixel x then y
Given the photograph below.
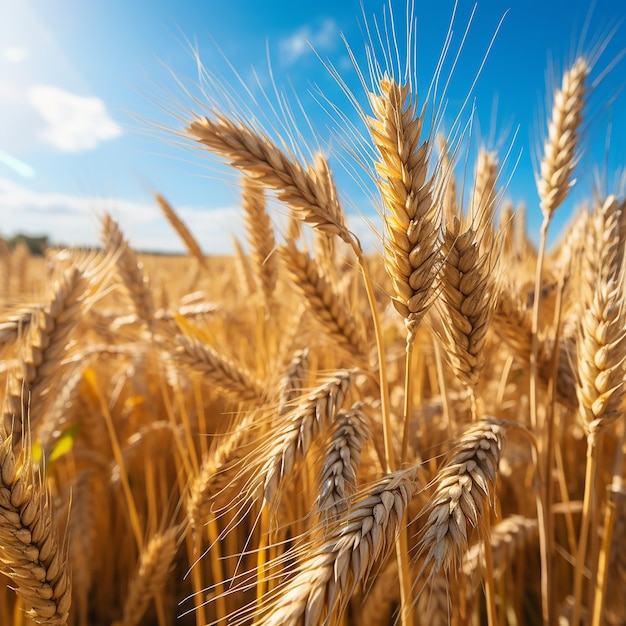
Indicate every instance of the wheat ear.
{"type": "Point", "coordinates": [434, 603]}
{"type": "Point", "coordinates": [446, 185]}
{"type": "Point", "coordinates": [468, 299]}
{"type": "Point", "coordinates": [412, 218]}
{"type": "Point", "coordinates": [222, 372]}
{"type": "Point", "coordinates": [508, 538]}
{"type": "Point", "coordinates": [154, 566]}
{"type": "Point", "coordinates": [258, 156]}
{"type": "Point", "coordinates": [330, 570]}
{"type": "Point", "coordinates": [213, 475]}
{"type": "Point", "coordinates": [129, 268]}
{"type": "Point", "coordinates": [191, 243]}
{"type": "Point", "coordinates": [31, 553]}
{"type": "Point", "coordinates": [559, 159]}
{"type": "Point", "coordinates": [601, 355]}
{"type": "Point", "coordinates": [15, 323]}
{"type": "Point", "coordinates": [46, 342]}
{"type": "Point", "coordinates": [553, 185]}
{"type": "Point", "coordinates": [342, 457]}
{"type": "Point", "coordinates": [484, 196]}
{"type": "Point", "coordinates": [602, 335]}
{"type": "Point", "coordinates": [260, 236]}
{"type": "Point", "coordinates": [463, 493]}
{"type": "Point", "coordinates": [325, 304]}
{"type": "Point", "coordinates": [293, 380]}
{"type": "Point", "coordinates": [298, 429]}
{"type": "Point", "coordinates": [243, 270]}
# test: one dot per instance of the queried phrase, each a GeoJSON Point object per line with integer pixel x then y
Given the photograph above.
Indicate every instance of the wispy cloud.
{"type": "Point", "coordinates": [74, 123]}
{"type": "Point", "coordinates": [299, 44]}
{"type": "Point", "coordinates": [70, 219]}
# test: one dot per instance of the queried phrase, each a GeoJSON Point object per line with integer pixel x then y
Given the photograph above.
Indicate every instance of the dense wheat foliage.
{"type": "Point", "coordinates": [310, 433]}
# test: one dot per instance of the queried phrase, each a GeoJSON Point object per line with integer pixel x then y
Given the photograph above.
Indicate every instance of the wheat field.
{"type": "Point", "coordinates": [312, 433]}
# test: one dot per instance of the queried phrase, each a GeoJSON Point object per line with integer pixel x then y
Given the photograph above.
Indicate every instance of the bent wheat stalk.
{"type": "Point", "coordinates": [258, 156]}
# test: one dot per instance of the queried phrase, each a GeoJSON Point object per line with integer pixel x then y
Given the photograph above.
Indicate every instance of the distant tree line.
{"type": "Point", "coordinates": [36, 245]}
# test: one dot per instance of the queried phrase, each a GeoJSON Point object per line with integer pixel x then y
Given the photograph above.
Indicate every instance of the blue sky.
{"type": "Point", "coordinates": [86, 89]}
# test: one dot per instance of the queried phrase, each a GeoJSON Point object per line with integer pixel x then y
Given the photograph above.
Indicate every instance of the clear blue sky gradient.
{"type": "Point", "coordinates": [118, 53]}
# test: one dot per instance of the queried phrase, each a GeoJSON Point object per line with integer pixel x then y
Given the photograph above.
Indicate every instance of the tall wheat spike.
{"type": "Point", "coordinates": [325, 304]}
{"type": "Point", "coordinates": [559, 159]}
{"type": "Point", "coordinates": [412, 217]}
{"type": "Point", "coordinates": [153, 569]}
{"type": "Point", "coordinates": [338, 477]}
{"type": "Point", "coordinates": [602, 331]}
{"type": "Point", "coordinates": [468, 298]}
{"type": "Point", "coordinates": [484, 196]}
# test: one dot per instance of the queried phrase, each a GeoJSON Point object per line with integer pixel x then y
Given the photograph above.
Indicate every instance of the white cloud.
{"type": "Point", "coordinates": [299, 44]}
{"type": "Point", "coordinates": [74, 220]}
{"type": "Point", "coordinates": [74, 123]}
{"type": "Point", "coordinates": [14, 54]}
